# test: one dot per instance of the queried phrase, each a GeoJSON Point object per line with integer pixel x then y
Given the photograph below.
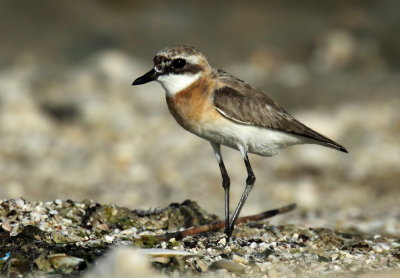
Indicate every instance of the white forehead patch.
{"type": "Point", "coordinates": [174, 83]}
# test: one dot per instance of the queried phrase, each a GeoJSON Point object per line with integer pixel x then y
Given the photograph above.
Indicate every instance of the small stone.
{"type": "Point", "coordinates": [6, 226]}
{"type": "Point", "coordinates": [222, 241]}
{"type": "Point", "coordinates": [203, 266]}
{"type": "Point", "coordinates": [103, 227]}
{"type": "Point", "coordinates": [253, 245]}
{"type": "Point", "coordinates": [384, 246]}
{"type": "Point", "coordinates": [63, 260]}
{"type": "Point", "coordinates": [395, 244]}
{"type": "Point", "coordinates": [129, 231]}
{"type": "Point", "coordinates": [377, 248]}
{"type": "Point", "coordinates": [67, 221]}
{"type": "Point", "coordinates": [263, 246]}
{"type": "Point", "coordinates": [239, 259]}
{"type": "Point", "coordinates": [20, 202]}
{"type": "Point", "coordinates": [334, 256]}
{"type": "Point", "coordinates": [108, 238]}
{"type": "Point", "coordinates": [228, 265]}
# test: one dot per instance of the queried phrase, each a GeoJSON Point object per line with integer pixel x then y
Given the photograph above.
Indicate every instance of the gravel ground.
{"type": "Point", "coordinates": [65, 238]}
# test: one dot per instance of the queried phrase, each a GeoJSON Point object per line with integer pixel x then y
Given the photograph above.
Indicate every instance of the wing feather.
{"type": "Point", "coordinates": [244, 104]}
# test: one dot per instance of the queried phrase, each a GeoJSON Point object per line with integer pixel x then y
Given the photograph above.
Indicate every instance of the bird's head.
{"type": "Point", "coordinates": [175, 68]}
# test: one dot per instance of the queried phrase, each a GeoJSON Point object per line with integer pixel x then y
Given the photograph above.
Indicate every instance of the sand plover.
{"type": "Point", "coordinates": [226, 111]}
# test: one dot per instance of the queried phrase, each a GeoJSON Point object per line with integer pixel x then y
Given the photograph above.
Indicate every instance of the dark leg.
{"type": "Point", "coordinates": [225, 180]}
{"type": "Point", "coordinates": [251, 178]}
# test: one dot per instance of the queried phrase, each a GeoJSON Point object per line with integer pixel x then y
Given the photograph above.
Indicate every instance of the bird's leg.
{"type": "Point", "coordinates": [225, 180]}
{"type": "Point", "coordinates": [251, 178]}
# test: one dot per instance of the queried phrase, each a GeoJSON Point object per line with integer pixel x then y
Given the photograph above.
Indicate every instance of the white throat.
{"type": "Point", "coordinates": [174, 83]}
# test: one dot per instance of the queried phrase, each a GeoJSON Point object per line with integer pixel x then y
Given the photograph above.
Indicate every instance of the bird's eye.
{"type": "Point", "coordinates": [178, 63]}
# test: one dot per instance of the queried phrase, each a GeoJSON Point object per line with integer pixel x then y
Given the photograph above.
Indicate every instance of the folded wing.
{"type": "Point", "coordinates": [249, 106]}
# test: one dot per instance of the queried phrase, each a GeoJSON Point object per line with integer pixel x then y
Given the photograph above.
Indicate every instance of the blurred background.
{"type": "Point", "coordinates": [73, 127]}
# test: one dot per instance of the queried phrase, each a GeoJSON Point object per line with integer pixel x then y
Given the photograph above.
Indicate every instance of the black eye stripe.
{"type": "Point", "coordinates": [166, 65]}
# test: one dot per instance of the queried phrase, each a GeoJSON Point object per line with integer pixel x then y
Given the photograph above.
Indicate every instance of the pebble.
{"type": "Point", "coordinates": [6, 226]}
{"type": "Point", "coordinates": [202, 265]}
{"type": "Point", "coordinates": [20, 203]}
{"type": "Point", "coordinates": [63, 260]}
{"type": "Point", "coordinates": [222, 241]}
{"type": "Point", "coordinates": [240, 259]}
{"type": "Point", "coordinates": [228, 265]}
{"type": "Point", "coordinates": [109, 238]}
{"type": "Point", "coordinates": [129, 231]}
{"type": "Point", "coordinates": [253, 245]}
{"type": "Point", "coordinates": [334, 256]}
{"type": "Point", "coordinates": [384, 246]}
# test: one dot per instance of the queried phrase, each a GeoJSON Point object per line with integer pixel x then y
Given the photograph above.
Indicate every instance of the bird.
{"type": "Point", "coordinates": [225, 110]}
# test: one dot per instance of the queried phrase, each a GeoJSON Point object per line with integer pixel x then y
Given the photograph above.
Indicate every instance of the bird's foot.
{"type": "Point", "coordinates": [228, 233]}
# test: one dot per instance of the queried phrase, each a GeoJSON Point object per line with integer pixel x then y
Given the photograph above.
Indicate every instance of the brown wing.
{"type": "Point", "coordinates": [250, 106]}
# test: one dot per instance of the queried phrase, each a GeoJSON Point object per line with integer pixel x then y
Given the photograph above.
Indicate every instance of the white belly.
{"type": "Point", "coordinates": [258, 140]}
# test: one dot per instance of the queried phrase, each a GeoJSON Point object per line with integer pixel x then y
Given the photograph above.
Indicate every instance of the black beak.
{"type": "Point", "coordinates": [150, 76]}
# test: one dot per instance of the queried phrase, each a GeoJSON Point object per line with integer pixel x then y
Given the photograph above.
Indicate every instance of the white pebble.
{"type": "Point", "coordinates": [263, 246]}
{"type": "Point", "coordinates": [222, 241]}
{"type": "Point", "coordinates": [335, 256]}
{"type": "Point", "coordinates": [384, 246]}
{"type": "Point", "coordinates": [19, 202]}
{"type": "Point", "coordinates": [253, 245]}
{"type": "Point", "coordinates": [108, 238]}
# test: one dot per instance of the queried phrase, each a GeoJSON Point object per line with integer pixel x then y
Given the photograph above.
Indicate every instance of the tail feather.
{"type": "Point", "coordinates": [336, 146]}
{"type": "Point", "coordinates": [320, 139]}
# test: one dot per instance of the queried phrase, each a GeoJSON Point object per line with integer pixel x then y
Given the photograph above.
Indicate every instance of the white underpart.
{"type": "Point", "coordinates": [253, 139]}
{"type": "Point", "coordinates": [174, 83]}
